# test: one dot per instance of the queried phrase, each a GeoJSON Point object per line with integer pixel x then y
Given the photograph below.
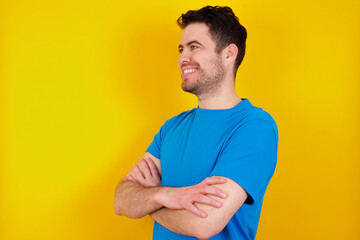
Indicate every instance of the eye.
{"type": "Point", "coordinates": [193, 47]}
{"type": "Point", "coordinates": [181, 50]}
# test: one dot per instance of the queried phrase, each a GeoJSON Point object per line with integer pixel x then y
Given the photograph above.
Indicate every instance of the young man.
{"type": "Point", "coordinates": [207, 169]}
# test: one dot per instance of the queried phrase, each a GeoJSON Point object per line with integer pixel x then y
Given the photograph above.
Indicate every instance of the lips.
{"type": "Point", "coordinates": [189, 69]}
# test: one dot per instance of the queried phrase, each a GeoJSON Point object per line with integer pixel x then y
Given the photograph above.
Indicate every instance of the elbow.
{"type": "Point", "coordinates": [129, 215]}
{"type": "Point", "coordinates": [204, 234]}
{"type": "Point", "coordinates": [119, 212]}
{"type": "Point", "coordinates": [205, 229]}
{"type": "Point", "coordinates": [117, 209]}
{"type": "Point", "coordinates": [122, 212]}
{"type": "Point", "coordinates": [120, 208]}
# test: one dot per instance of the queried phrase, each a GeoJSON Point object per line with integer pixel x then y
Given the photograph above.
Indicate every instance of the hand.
{"type": "Point", "coordinates": [145, 173]}
{"type": "Point", "coordinates": [184, 198]}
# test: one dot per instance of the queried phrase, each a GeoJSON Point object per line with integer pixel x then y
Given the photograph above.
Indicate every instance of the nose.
{"type": "Point", "coordinates": [184, 57]}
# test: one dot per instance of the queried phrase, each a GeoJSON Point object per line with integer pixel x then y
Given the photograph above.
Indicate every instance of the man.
{"type": "Point", "coordinates": [207, 169]}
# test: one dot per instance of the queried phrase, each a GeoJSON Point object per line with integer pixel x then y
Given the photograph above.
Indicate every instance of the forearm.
{"type": "Point", "coordinates": [134, 200]}
{"type": "Point", "coordinates": [179, 221]}
{"type": "Point", "coordinates": [186, 223]}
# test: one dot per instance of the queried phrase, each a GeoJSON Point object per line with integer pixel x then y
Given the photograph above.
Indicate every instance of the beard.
{"type": "Point", "coordinates": [208, 82]}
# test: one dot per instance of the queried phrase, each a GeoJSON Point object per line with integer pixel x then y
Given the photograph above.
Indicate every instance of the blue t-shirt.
{"type": "Point", "coordinates": [239, 143]}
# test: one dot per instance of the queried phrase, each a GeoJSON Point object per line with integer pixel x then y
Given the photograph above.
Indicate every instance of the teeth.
{"type": "Point", "coordinates": [189, 70]}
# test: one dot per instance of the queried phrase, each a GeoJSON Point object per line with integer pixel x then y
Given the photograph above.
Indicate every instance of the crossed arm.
{"type": "Point", "coordinates": [202, 210]}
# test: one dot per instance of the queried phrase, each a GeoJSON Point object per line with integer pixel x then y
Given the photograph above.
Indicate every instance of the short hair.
{"type": "Point", "coordinates": [224, 28]}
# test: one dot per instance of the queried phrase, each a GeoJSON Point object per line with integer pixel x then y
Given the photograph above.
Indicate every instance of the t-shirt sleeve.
{"type": "Point", "coordinates": [249, 157]}
{"type": "Point", "coordinates": [155, 146]}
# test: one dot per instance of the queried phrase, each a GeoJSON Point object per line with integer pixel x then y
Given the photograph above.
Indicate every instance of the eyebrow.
{"type": "Point", "coordinates": [191, 42]}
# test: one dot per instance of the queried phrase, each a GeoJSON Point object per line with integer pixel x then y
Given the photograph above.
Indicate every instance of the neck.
{"type": "Point", "coordinates": [226, 98]}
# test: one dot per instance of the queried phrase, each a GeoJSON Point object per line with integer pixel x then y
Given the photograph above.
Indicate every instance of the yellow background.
{"type": "Point", "coordinates": [85, 85]}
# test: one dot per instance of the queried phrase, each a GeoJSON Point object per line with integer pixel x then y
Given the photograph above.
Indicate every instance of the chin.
{"type": "Point", "coordinates": [186, 88]}
{"type": "Point", "coordinates": [189, 89]}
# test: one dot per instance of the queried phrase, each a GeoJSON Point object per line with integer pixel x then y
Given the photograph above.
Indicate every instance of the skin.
{"type": "Point", "coordinates": [140, 194]}
{"type": "Point", "coordinates": [185, 215]}
{"type": "Point", "coordinates": [197, 50]}
{"type": "Point", "coordinates": [202, 210]}
{"type": "Point", "coordinates": [145, 173]}
{"type": "Point", "coordinates": [207, 78]}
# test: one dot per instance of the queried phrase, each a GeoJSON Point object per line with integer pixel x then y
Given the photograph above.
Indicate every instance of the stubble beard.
{"type": "Point", "coordinates": [208, 84]}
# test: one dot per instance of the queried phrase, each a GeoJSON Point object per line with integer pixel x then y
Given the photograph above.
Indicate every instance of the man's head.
{"type": "Point", "coordinates": [202, 69]}
{"type": "Point", "coordinates": [224, 28]}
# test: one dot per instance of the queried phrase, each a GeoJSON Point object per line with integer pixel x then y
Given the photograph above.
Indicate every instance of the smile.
{"type": "Point", "coordinates": [190, 70]}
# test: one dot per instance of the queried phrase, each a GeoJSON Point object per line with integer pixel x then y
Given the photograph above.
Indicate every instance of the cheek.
{"type": "Point", "coordinates": [206, 59]}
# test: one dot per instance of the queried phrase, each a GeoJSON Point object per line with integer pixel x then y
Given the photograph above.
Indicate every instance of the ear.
{"type": "Point", "coordinates": [230, 53]}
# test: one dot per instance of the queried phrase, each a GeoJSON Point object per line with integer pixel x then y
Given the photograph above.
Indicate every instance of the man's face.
{"type": "Point", "coordinates": [201, 67]}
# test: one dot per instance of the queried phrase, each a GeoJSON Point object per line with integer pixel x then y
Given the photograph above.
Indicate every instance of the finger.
{"type": "Point", "coordinates": [191, 208]}
{"type": "Point", "coordinates": [152, 166]}
{"type": "Point", "coordinates": [144, 168]}
{"type": "Point", "coordinates": [126, 178]}
{"type": "Point", "coordinates": [213, 191]}
{"type": "Point", "coordinates": [214, 180]}
{"type": "Point", "coordinates": [137, 174]}
{"type": "Point", "coordinates": [131, 179]}
{"type": "Point", "coordinates": [201, 198]}
{"type": "Point", "coordinates": [131, 173]}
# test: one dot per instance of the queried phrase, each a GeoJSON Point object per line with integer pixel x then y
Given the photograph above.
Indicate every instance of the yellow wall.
{"type": "Point", "coordinates": [86, 84]}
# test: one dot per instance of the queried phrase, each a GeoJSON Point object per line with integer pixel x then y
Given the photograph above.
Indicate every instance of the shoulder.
{"type": "Point", "coordinates": [255, 116]}
{"type": "Point", "coordinates": [255, 123]}
{"type": "Point", "coordinates": [257, 113]}
{"type": "Point", "coordinates": [175, 120]}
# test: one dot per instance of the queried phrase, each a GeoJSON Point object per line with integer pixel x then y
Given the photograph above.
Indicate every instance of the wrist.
{"type": "Point", "coordinates": [160, 195]}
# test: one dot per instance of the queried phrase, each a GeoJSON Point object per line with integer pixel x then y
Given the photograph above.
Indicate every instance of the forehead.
{"type": "Point", "coordinates": [196, 32]}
